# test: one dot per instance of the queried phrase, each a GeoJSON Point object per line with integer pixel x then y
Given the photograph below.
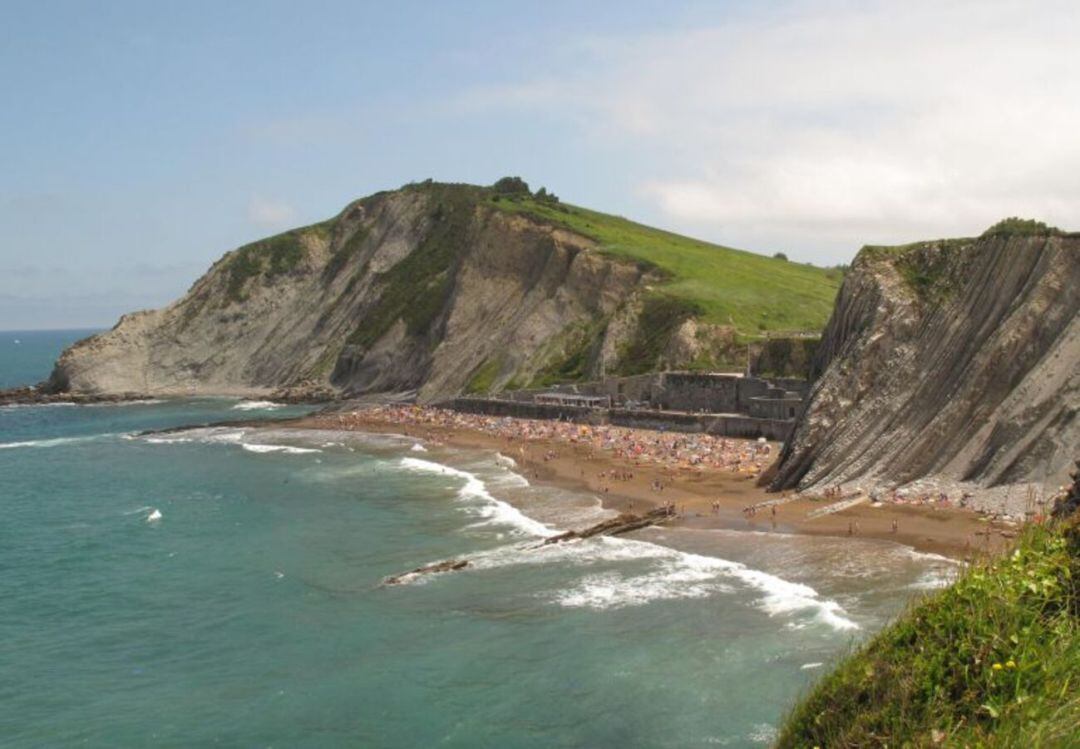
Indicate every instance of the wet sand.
{"type": "Point", "coordinates": [945, 530]}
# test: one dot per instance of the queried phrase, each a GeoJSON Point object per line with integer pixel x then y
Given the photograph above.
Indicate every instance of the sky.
{"type": "Point", "coordinates": [140, 141]}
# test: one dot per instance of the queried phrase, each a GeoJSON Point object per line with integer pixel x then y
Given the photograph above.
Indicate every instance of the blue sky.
{"type": "Point", "coordinates": [139, 141]}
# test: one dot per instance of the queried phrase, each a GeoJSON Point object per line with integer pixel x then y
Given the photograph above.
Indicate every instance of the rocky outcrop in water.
{"type": "Point", "coordinates": [622, 523]}
{"type": "Point", "coordinates": [955, 361]}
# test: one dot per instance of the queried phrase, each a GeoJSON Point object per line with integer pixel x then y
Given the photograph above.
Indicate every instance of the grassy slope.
{"type": "Point", "coordinates": [992, 661]}
{"type": "Point", "coordinates": [731, 287]}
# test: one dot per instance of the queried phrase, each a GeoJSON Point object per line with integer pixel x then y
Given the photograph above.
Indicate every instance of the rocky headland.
{"type": "Point", "coordinates": [949, 366]}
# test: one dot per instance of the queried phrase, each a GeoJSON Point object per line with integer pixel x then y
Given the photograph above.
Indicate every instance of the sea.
{"type": "Point", "coordinates": [223, 585]}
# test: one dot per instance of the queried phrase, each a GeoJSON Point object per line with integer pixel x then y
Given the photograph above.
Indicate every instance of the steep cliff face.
{"type": "Point", "coordinates": [419, 291]}
{"type": "Point", "coordinates": [955, 360]}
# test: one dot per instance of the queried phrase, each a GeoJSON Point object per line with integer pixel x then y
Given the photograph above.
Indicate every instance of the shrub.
{"type": "Point", "coordinates": [512, 187]}
{"type": "Point", "coordinates": [1021, 227]}
{"type": "Point", "coordinates": [543, 196]}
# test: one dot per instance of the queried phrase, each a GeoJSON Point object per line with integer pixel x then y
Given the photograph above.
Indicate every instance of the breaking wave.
{"type": "Point", "coordinates": [54, 442]}
{"type": "Point", "coordinates": [494, 511]}
{"type": "Point", "coordinates": [286, 449]}
{"type": "Point", "coordinates": [257, 406]}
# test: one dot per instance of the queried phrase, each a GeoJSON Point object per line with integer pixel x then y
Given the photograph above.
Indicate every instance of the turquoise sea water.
{"type": "Point", "coordinates": [221, 586]}
{"type": "Point", "coordinates": [26, 357]}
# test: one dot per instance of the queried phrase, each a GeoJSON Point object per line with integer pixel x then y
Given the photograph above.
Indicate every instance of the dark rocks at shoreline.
{"type": "Point", "coordinates": [450, 565]}
{"type": "Point", "coordinates": [34, 395]}
{"type": "Point", "coordinates": [623, 523]}
{"type": "Point", "coordinates": [305, 393]}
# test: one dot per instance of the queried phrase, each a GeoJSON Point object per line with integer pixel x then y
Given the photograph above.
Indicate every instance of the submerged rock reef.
{"type": "Point", "coordinates": [954, 363]}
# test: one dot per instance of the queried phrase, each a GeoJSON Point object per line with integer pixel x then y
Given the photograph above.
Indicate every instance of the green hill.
{"type": "Point", "coordinates": [754, 293]}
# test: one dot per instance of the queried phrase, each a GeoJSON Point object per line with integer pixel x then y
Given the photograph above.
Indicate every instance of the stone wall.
{"type": "Point", "coordinates": [722, 425]}
{"type": "Point", "coordinates": [694, 392]}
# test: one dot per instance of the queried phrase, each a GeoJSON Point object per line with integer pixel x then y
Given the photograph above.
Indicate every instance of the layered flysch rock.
{"type": "Point", "coordinates": [419, 291]}
{"type": "Point", "coordinates": [956, 362]}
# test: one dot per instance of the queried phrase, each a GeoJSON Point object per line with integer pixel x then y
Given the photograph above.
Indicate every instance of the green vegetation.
{"type": "Point", "coordinates": [927, 273]}
{"type": "Point", "coordinates": [417, 288]}
{"type": "Point", "coordinates": [268, 258]}
{"type": "Point", "coordinates": [1021, 227]}
{"type": "Point", "coordinates": [928, 268]}
{"type": "Point", "coordinates": [511, 187]}
{"type": "Point", "coordinates": [571, 356]}
{"type": "Point", "coordinates": [484, 378]}
{"type": "Point", "coordinates": [992, 661]}
{"type": "Point", "coordinates": [345, 253]}
{"type": "Point", "coordinates": [661, 315]}
{"type": "Point", "coordinates": [729, 287]}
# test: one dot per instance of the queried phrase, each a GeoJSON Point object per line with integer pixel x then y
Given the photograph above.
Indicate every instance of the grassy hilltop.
{"type": "Point", "coordinates": [724, 286]}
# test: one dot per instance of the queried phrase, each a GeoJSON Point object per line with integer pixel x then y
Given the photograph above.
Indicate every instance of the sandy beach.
{"type": "Point", "coordinates": [711, 482]}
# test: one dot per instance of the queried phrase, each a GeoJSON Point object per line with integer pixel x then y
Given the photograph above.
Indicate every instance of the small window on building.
{"type": "Point", "coordinates": [791, 412]}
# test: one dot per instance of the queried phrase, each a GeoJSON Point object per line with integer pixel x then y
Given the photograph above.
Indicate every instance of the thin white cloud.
{"type": "Point", "coordinates": [271, 214]}
{"type": "Point", "coordinates": [822, 126]}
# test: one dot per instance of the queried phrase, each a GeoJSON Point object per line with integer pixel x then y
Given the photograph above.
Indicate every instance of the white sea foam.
{"type": "Point", "coordinates": [154, 515]}
{"type": "Point", "coordinates": [670, 574]}
{"type": "Point", "coordinates": [139, 510]}
{"type": "Point", "coordinates": [286, 449]}
{"type": "Point", "coordinates": [762, 733]}
{"type": "Point", "coordinates": [494, 511]}
{"type": "Point", "coordinates": [257, 406]}
{"type": "Point", "coordinates": [933, 579]}
{"type": "Point", "coordinates": [54, 442]}
{"type": "Point", "coordinates": [808, 666]}
{"type": "Point", "coordinates": [506, 461]}
{"type": "Point", "coordinates": [418, 448]}
{"type": "Point", "coordinates": [167, 440]}
{"type": "Point", "coordinates": [213, 435]}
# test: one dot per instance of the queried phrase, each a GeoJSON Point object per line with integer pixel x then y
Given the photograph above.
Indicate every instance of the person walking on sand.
{"type": "Point", "coordinates": [895, 525]}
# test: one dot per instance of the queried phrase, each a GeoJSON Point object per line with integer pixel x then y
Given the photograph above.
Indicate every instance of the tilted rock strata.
{"type": "Point", "coordinates": [413, 291]}
{"type": "Point", "coordinates": [956, 360]}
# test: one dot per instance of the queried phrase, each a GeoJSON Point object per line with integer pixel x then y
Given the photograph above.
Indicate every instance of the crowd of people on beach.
{"type": "Point", "coordinates": [665, 449]}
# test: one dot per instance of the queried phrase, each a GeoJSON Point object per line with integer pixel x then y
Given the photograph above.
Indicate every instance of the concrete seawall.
{"type": "Point", "coordinates": [719, 425]}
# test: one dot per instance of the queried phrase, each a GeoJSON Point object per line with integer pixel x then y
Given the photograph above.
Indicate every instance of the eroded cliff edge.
{"type": "Point", "coordinates": [413, 291]}
{"type": "Point", "coordinates": [955, 362]}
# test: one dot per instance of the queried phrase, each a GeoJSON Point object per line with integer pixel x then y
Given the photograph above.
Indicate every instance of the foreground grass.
{"type": "Point", "coordinates": [752, 292]}
{"type": "Point", "coordinates": [992, 661]}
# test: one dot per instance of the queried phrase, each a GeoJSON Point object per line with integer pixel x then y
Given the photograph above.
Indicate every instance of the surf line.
{"type": "Point", "coordinates": [623, 523]}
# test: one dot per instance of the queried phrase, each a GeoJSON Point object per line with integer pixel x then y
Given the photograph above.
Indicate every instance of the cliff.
{"type": "Point", "coordinates": [436, 289]}
{"type": "Point", "coordinates": [955, 363]}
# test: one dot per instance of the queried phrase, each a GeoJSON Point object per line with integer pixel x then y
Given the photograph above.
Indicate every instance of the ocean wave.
{"type": "Point", "coordinates": [257, 406]}
{"type": "Point", "coordinates": [54, 404]}
{"type": "Point", "coordinates": [54, 442]}
{"type": "Point", "coordinates": [673, 574]}
{"type": "Point", "coordinates": [494, 511]}
{"type": "Point", "coordinates": [228, 436]}
{"type": "Point", "coordinates": [287, 449]}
